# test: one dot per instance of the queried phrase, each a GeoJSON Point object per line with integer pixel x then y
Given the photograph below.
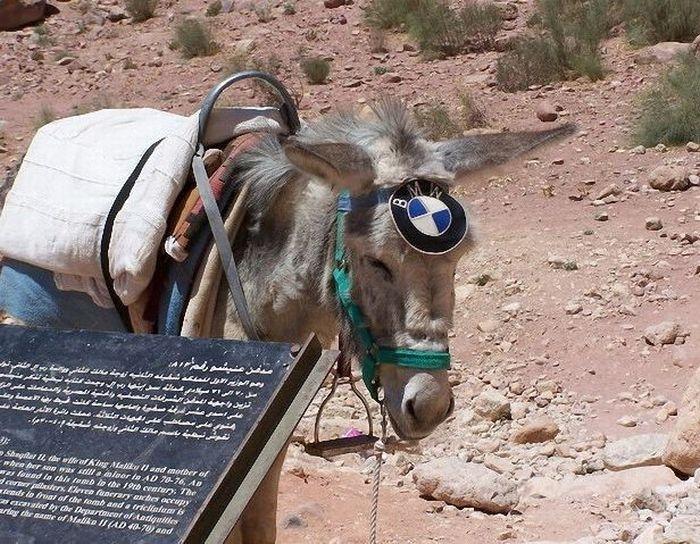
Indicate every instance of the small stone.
{"type": "Point", "coordinates": [116, 14]}
{"type": "Point", "coordinates": [65, 61]}
{"type": "Point", "coordinates": [559, 263]}
{"type": "Point", "coordinates": [669, 178]}
{"type": "Point", "coordinates": [573, 308]}
{"type": "Point", "coordinates": [546, 112]}
{"type": "Point", "coordinates": [627, 421]}
{"type": "Point", "coordinates": [488, 325]}
{"type": "Point", "coordinates": [601, 216]}
{"type": "Point", "coordinates": [692, 147]}
{"type": "Point", "coordinates": [663, 333]}
{"type": "Point", "coordinates": [536, 430]}
{"type": "Point", "coordinates": [638, 150]}
{"type": "Point", "coordinates": [332, 4]}
{"type": "Point", "coordinates": [491, 405]}
{"type": "Point", "coordinates": [653, 223]}
{"type": "Point", "coordinates": [611, 190]}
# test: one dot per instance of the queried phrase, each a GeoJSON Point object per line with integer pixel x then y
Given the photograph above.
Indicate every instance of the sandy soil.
{"type": "Point", "coordinates": [601, 365]}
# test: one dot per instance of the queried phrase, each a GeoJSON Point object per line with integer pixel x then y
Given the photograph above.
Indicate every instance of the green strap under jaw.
{"type": "Point", "coordinates": [374, 355]}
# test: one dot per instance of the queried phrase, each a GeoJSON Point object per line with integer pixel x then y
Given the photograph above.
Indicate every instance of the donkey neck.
{"type": "Point", "coordinates": [285, 262]}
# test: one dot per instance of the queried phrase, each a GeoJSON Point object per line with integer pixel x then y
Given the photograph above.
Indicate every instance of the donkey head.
{"type": "Point", "coordinates": [405, 293]}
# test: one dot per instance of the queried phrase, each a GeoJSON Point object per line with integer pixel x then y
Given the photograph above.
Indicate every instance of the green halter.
{"type": "Point", "coordinates": [374, 354]}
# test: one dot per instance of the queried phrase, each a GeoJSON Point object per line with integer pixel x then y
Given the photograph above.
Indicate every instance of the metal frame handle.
{"type": "Point", "coordinates": [288, 108]}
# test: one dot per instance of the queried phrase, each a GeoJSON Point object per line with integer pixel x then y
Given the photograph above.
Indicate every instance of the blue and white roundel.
{"type": "Point", "coordinates": [429, 215]}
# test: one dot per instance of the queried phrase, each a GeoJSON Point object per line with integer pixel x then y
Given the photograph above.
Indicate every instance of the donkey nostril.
{"type": "Point", "coordinates": [411, 408]}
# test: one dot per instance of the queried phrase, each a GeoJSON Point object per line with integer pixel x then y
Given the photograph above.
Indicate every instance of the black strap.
{"type": "Point", "coordinates": [107, 236]}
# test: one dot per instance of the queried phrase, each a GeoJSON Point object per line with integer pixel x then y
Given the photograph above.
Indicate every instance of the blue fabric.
{"type": "Point", "coordinates": [30, 294]}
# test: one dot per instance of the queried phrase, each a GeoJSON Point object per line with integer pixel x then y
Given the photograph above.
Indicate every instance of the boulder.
{"type": "Point", "coordinates": [17, 13]}
{"type": "Point", "coordinates": [661, 53]}
{"type": "Point", "coordinates": [539, 429]}
{"type": "Point", "coordinates": [683, 449]}
{"type": "Point", "coordinates": [635, 451]}
{"type": "Point", "coordinates": [465, 484]}
{"type": "Point", "coordinates": [669, 178]}
{"type": "Point", "coordinates": [610, 485]}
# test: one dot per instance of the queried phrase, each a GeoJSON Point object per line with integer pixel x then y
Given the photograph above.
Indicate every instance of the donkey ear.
{"type": "Point", "coordinates": [477, 151]}
{"type": "Point", "coordinates": [343, 165]}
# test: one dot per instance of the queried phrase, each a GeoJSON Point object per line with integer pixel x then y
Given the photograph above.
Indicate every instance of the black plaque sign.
{"type": "Point", "coordinates": [118, 438]}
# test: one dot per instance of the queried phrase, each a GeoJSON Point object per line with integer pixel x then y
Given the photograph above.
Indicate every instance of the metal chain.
{"type": "Point", "coordinates": [379, 447]}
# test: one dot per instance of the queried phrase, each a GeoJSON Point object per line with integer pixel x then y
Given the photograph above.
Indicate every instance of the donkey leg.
{"type": "Point", "coordinates": [258, 523]}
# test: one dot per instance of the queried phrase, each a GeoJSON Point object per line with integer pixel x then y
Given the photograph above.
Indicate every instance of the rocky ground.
{"type": "Point", "coordinates": [578, 315]}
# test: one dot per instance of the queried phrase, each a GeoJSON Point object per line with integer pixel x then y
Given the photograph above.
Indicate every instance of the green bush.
{"type": "Point", "coordinates": [670, 112]}
{"type": "Point", "coordinates": [316, 69]}
{"type": "Point", "coordinates": [565, 44]}
{"type": "Point", "coordinates": [442, 31]}
{"type": "Point", "coordinates": [653, 21]}
{"type": "Point", "coordinates": [141, 10]}
{"type": "Point", "coordinates": [193, 39]}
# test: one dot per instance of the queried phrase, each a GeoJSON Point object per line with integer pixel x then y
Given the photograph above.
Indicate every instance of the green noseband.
{"type": "Point", "coordinates": [373, 354]}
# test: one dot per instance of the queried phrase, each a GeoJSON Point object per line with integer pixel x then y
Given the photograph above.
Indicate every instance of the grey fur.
{"type": "Point", "coordinates": [285, 256]}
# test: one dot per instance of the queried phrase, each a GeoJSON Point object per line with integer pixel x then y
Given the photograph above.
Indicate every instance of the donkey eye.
{"type": "Point", "coordinates": [379, 265]}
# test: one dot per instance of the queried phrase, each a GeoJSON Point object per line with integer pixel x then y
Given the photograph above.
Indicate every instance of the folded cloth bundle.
{"type": "Point", "coordinates": [55, 213]}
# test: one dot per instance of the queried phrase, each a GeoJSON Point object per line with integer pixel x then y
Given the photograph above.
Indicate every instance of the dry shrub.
{"type": "Point", "coordinates": [289, 8]}
{"type": "Point", "coordinates": [670, 112]}
{"type": "Point", "coordinates": [473, 115]}
{"type": "Point", "coordinates": [653, 21]}
{"type": "Point", "coordinates": [193, 39]}
{"type": "Point", "coordinates": [389, 14]}
{"type": "Point", "coordinates": [141, 10]}
{"type": "Point", "coordinates": [565, 44]}
{"type": "Point", "coordinates": [442, 31]}
{"type": "Point", "coordinates": [214, 8]}
{"type": "Point", "coordinates": [264, 13]}
{"type": "Point", "coordinates": [45, 116]}
{"type": "Point", "coordinates": [316, 69]}
{"type": "Point", "coordinates": [436, 122]}
{"type": "Point", "coordinates": [100, 102]}
{"type": "Point", "coordinates": [377, 40]}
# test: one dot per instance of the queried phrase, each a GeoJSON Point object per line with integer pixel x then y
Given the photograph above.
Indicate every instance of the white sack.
{"type": "Point", "coordinates": [74, 168]}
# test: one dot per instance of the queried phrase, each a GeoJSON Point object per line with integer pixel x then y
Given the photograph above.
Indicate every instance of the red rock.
{"type": "Point", "coordinates": [683, 450]}
{"type": "Point", "coordinates": [17, 13]}
{"type": "Point", "coordinates": [546, 112]}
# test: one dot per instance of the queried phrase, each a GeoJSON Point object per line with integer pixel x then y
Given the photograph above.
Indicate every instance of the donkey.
{"type": "Point", "coordinates": [285, 256]}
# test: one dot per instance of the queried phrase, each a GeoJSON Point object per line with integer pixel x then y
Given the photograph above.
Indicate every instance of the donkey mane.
{"type": "Point", "coordinates": [267, 170]}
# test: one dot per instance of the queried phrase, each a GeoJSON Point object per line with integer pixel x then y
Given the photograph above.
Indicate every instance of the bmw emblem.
{"type": "Point", "coordinates": [428, 218]}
